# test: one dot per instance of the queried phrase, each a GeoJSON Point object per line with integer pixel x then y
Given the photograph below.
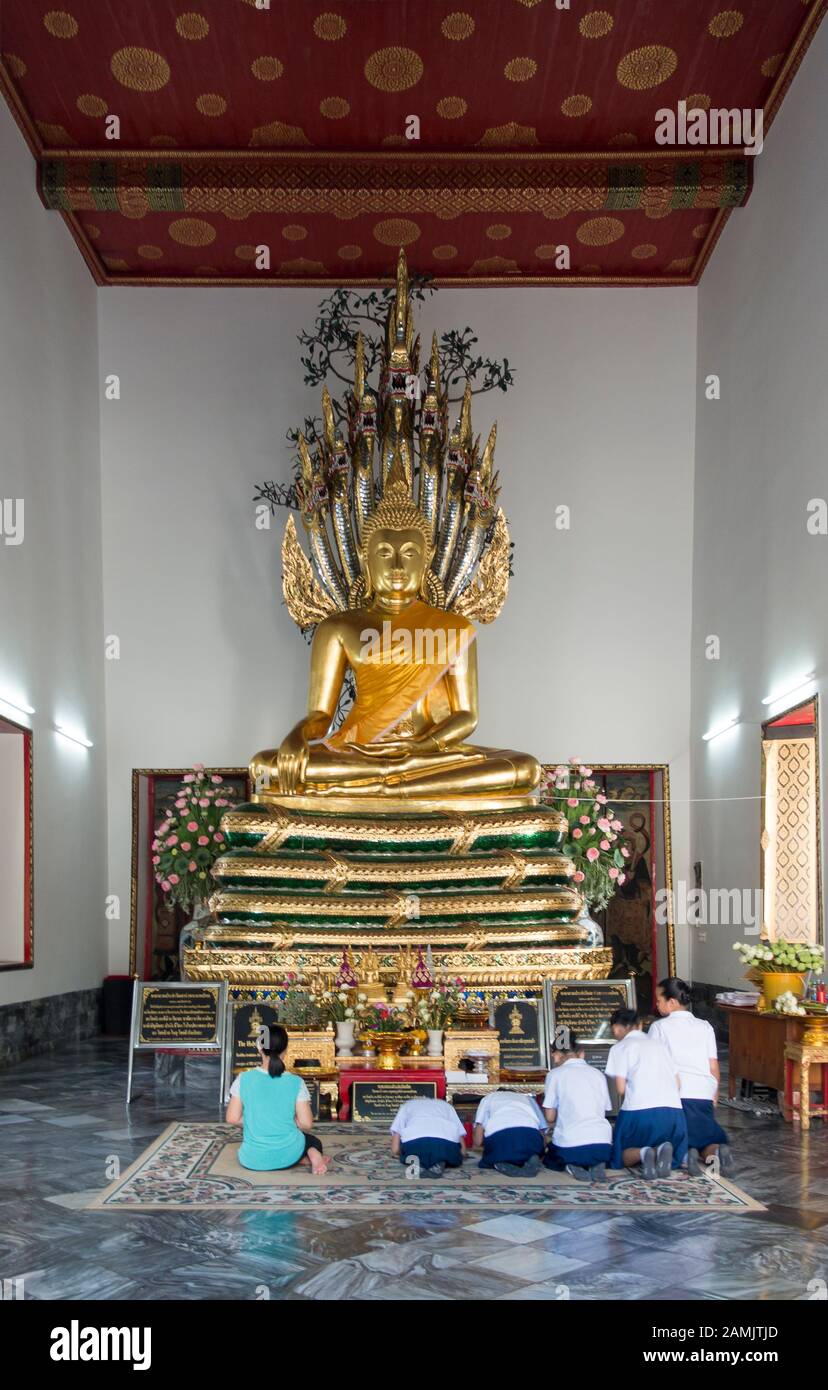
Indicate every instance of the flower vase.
{"type": "Point", "coordinates": [187, 937]}
{"type": "Point", "coordinates": [345, 1029]}
{"type": "Point", "coordinates": [593, 932]}
{"type": "Point", "coordinates": [435, 1042]}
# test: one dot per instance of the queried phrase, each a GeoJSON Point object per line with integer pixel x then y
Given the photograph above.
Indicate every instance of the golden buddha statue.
{"type": "Point", "coordinates": [388, 830]}
{"type": "Point", "coordinates": [395, 598]}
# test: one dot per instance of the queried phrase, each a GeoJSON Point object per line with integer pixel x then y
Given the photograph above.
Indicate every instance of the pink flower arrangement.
{"type": "Point", "coordinates": [187, 842]}
{"type": "Point", "coordinates": [594, 829]}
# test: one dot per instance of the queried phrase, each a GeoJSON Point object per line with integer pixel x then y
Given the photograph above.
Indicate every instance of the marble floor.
{"type": "Point", "coordinates": [63, 1118]}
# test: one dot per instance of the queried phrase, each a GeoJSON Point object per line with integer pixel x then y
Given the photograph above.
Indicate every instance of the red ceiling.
{"type": "Point", "coordinates": [285, 127]}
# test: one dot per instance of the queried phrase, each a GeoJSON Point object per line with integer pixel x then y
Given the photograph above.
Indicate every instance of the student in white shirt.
{"type": "Point", "coordinates": [651, 1128]}
{"type": "Point", "coordinates": [510, 1128]}
{"type": "Point", "coordinates": [692, 1046]}
{"type": "Point", "coordinates": [576, 1101]}
{"type": "Point", "coordinates": [430, 1131]}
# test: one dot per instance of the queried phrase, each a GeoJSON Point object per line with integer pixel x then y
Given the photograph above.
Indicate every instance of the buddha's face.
{"type": "Point", "coordinates": [396, 562]}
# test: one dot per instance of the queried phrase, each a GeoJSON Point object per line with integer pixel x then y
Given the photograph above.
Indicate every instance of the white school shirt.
{"type": "Point", "coordinates": [579, 1093]}
{"type": "Point", "coordinates": [422, 1118]}
{"type": "Point", "coordinates": [691, 1043]}
{"type": "Point", "coordinates": [645, 1064]}
{"type": "Point", "coordinates": [509, 1110]}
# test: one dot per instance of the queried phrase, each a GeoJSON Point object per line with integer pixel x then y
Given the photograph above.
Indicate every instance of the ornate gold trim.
{"type": "Point", "coordinates": [429, 904]}
{"type": "Point", "coordinates": [479, 971]}
{"type": "Point", "coordinates": [462, 830]}
{"type": "Point", "coordinates": [332, 873]}
{"type": "Point", "coordinates": [472, 936]}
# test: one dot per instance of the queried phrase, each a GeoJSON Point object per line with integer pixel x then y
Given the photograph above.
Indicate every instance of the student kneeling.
{"type": "Point", "coordinates": [691, 1044]}
{"type": "Point", "coordinates": [430, 1131]}
{"type": "Point", "coordinates": [273, 1106]}
{"type": "Point", "coordinates": [651, 1128]}
{"type": "Point", "coordinates": [510, 1128]}
{"type": "Point", "coordinates": [575, 1101]}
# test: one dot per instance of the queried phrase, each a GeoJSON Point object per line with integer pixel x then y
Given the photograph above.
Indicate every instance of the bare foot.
{"type": "Point", "coordinates": [318, 1162]}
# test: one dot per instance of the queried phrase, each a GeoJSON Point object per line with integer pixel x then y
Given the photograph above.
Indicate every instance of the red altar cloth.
{"type": "Point", "coordinates": [349, 1076]}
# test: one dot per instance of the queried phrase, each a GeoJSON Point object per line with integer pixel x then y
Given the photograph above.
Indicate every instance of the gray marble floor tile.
{"type": "Point", "coordinates": [75, 1201]}
{"type": "Point", "coordinates": [12, 1104]}
{"type": "Point", "coordinates": [396, 1291]}
{"type": "Point", "coordinates": [529, 1263]}
{"type": "Point", "coordinates": [591, 1249]}
{"type": "Point", "coordinates": [70, 1278]}
{"type": "Point", "coordinates": [518, 1229]}
{"type": "Point", "coordinates": [72, 1121]}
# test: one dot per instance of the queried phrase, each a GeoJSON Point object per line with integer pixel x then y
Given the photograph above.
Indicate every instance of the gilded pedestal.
{"type": "Point", "coordinates": [489, 892]}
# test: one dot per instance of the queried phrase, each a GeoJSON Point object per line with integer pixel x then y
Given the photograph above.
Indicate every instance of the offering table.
{"type": "Point", "coordinates": [388, 1089]}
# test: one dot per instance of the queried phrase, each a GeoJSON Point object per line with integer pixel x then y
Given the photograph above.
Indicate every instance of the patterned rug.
{"type": "Point", "coordinates": [196, 1166]}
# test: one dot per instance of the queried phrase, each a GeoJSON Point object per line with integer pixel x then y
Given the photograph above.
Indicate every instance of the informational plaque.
{"type": "Point", "coordinates": [176, 1014]}
{"type": "Point", "coordinates": [245, 1020]}
{"type": "Point", "coordinates": [585, 1008]}
{"type": "Point", "coordinates": [519, 1023]}
{"type": "Point", "coordinates": [380, 1100]}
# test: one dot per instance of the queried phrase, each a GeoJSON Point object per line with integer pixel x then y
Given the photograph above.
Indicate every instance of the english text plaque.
{"type": "Point", "coordinates": [585, 1007]}
{"type": "Point", "coordinates": [380, 1100]}
{"type": "Point", "coordinates": [245, 1019]}
{"type": "Point", "coordinates": [520, 1027]}
{"type": "Point", "coordinates": [176, 1014]}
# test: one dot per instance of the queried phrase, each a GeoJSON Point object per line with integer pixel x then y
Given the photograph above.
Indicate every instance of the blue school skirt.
{"type": "Point", "coordinates": [581, 1156]}
{"type": "Point", "coordinates": [431, 1151]}
{"type": "Point", "coordinates": [641, 1129]}
{"type": "Point", "coordinates": [702, 1126]}
{"type": "Point", "coordinates": [511, 1146]}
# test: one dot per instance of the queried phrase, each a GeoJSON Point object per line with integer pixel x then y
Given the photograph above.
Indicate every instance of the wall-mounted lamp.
{"type": "Point", "coordinates": [16, 707]}
{"type": "Point", "coordinates": [792, 694]}
{"type": "Point", "coordinates": [73, 737]}
{"type": "Point", "coordinates": [720, 729]}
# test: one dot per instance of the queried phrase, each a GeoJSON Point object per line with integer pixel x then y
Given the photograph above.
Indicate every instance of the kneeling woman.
{"type": "Point", "coordinates": [691, 1044]}
{"type": "Point", "coordinates": [510, 1129]}
{"type": "Point", "coordinates": [431, 1132]}
{"type": "Point", "coordinates": [576, 1101]}
{"type": "Point", "coordinates": [651, 1128]}
{"type": "Point", "coordinates": [273, 1106]}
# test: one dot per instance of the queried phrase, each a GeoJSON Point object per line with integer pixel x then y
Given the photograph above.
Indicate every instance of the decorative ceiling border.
{"type": "Point", "coordinates": [102, 276]}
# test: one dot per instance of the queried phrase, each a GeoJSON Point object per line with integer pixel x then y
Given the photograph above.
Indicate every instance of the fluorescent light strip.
{"type": "Point", "coordinates": [803, 683]}
{"type": "Point", "coordinates": [18, 709]}
{"type": "Point", "coordinates": [73, 737]}
{"type": "Point", "coordinates": [721, 729]}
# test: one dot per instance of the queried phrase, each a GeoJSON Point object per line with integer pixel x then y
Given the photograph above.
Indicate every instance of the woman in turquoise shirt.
{"type": "Point", "coordinates": [273, 1106]}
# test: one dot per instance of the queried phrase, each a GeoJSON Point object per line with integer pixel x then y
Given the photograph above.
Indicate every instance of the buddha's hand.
{"type": "Point", "coordinates": [292, 761]}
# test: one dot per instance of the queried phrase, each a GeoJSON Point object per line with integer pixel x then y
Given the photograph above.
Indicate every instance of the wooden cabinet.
{"type": "Point", "coordinates": [757, 1046]}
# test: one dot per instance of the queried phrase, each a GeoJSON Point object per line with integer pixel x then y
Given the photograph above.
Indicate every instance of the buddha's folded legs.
{"type": "Point", "coordinates": [473, 770]}
{"type": "Point", "coordinates": [491, 770]}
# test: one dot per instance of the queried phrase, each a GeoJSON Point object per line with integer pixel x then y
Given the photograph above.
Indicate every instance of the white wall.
{"type": "Point", "coordinates": [51, 653]}
{"type": "Point", "coordinates": [759, 577]}
{"type": "Point", "coordinates": [591, 653]}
